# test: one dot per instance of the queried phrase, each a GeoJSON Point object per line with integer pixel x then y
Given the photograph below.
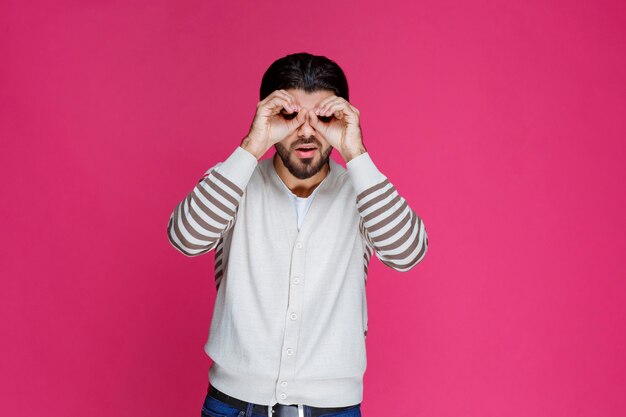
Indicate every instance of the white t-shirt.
{"type": "Point", "coordinates": [300, 204]}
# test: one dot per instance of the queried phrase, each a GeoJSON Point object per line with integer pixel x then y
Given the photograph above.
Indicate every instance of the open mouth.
{"type": "Point", "coordinates": [306, 151]}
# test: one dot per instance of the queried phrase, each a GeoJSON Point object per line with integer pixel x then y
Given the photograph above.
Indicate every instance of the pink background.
{"type": "Point", "coordinates": [502, 124]}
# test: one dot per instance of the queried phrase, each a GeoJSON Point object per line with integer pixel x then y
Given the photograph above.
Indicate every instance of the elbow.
{"type": "Point", "coordinates": [416, 252]}
{"type": "Point", "coordinates": [181, 245]}
{"type": "Point", "coordinates": [422, 249]}
{"type": "Point", "coordinates": [403, 267]}
{"type": "Point", "coordinates": [416, 256]}
{"type": "Point", "coordinates": [421, 254]}
{"type": "Point", "coordinates": [177, 245]}
{"type": "Point", "coordinates": [418, 259]}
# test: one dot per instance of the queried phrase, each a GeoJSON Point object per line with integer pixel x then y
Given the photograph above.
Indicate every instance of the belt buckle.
{"type": "Point", "coordinates": [292, 410]}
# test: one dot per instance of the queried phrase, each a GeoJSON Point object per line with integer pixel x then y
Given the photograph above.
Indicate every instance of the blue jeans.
{"type": "Point", "coordinates": [213, 407]}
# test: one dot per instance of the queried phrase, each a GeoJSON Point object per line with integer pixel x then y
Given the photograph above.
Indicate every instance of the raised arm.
{"type": "Point", "coordinates": [209, 210]}
{"type": "Point", "coordinates": [388, 225]}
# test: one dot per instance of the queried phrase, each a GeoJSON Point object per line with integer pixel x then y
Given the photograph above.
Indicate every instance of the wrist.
{"type": "Point", "coordinates": [350, 154]}
{"type": "Point", "coordinates": [255, 149]}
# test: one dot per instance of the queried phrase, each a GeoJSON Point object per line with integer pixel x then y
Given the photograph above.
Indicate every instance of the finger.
{"type": "Point", "coordinates": [269, 97]}
{"type": "Point", "coordinates": [290, 98]}
{"type": "Point", "coordinates": [336, 110]}
{"type": "Point", "coordinates": [273, 95]}
{"type": "Point", "coordinates": [354, 109]}
{"type": "Point", "coordinates": [297, 121]}
{"type": "Point", "coordinates": [276, 104]}
{"type": "Point", "coordinates": [325, 101]}
{"type": "Point", "coordinates": [323, 109]}
{"type": "Point", "coordinates": [341, 110]}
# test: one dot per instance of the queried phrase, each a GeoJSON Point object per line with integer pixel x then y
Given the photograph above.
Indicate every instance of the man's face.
{"type": "Point", "coordinates": [304, 164]}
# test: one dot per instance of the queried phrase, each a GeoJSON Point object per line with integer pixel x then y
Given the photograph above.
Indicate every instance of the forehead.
{"type": "Point", "coordinates": [309, 99]}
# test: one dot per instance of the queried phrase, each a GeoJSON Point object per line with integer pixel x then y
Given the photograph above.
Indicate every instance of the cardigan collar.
{"type": "Point", "coordinates": [322, 198]}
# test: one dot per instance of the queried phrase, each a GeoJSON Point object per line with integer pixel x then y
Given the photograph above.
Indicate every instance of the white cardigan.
{"type": "Point", "coordinates": [290, 316]}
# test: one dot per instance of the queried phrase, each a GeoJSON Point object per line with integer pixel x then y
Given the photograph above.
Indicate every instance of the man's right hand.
{"type": "Point", "coordinates": [269, 125]}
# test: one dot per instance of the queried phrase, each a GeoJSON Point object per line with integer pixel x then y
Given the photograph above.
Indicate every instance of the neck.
{"type": "Point", "coordinates": [301, 188]}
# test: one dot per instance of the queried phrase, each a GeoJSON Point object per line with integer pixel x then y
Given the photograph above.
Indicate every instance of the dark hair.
{"type": "Point", "coordinates": [306, 72]}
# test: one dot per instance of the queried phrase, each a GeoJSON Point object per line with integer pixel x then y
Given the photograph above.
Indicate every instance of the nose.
{"type": "Point", "coordinates": [305, 129]}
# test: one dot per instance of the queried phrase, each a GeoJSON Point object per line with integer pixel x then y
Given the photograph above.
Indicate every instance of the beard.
{"type": "Point", "coordinates": [303, 168]}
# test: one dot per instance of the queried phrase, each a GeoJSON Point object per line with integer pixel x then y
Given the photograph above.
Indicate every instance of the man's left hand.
{"type": "Point", "coordinates": [342, 131]}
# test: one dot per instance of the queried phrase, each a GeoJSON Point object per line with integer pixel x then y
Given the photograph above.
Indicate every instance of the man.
{"type": "Point", "coordinates": [293, 236]}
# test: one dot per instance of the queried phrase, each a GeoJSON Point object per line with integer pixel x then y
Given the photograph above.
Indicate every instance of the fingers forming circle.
{"type": "Point", "coordinates": [282, 94]}
{"type": "Point", "coordinates": [326, 103]}
{"type": "Point", "coordinates": [323, 103]}
{"type": "Point", "coordinates": [276, 104]}
{"type": "Point", "coordinates": [340, 109]}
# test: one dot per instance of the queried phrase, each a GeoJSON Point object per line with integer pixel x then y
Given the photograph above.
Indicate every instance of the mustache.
{"type": "Point", "coordinates": [307, 141]}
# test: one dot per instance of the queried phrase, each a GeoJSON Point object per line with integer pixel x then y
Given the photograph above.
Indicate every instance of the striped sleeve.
{"type": "Point", "coordinates": [387, 224]}
{"type": "Point", "coordinates": [210, 209]}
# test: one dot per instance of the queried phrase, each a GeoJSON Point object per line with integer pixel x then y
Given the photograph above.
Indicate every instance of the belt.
{"type": "Point", "coordinates": [278, 410]}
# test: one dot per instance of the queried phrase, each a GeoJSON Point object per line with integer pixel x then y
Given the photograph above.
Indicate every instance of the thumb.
{"type": "Point", "coordinates": [297, 121]}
